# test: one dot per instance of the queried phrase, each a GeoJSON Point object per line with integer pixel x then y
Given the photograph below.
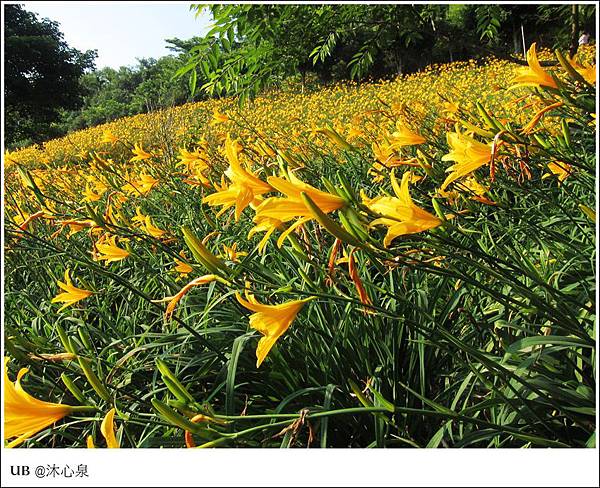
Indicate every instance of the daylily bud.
{"type": "Point", "coordinates": [94, 380]}
{"type": "Point", "coordinates": [331, 226]}
{"type": "Point", "coordinates": [201, 253]}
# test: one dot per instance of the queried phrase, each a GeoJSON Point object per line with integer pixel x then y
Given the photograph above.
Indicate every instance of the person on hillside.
{"type": "Point", "coordinates": [584, 38]}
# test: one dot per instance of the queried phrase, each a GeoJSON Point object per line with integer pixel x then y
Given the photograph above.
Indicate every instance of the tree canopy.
{"type": "Point", "coordinates": [253, 46]}
{"type": "Point", "coordinates": [129, 90]}
{"type": "Point", "coordinates": [41, 76]}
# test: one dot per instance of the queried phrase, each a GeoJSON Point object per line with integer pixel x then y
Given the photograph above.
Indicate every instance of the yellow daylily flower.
{"type": "Point", "coordinates": [139, 153]}
{"type": "Point", "coordinates": [587, 72]}
{"type": "Point", "coordinates": [400, 214]}
{"type": "Point", "coordinates": [218, 117]}
{"type": "Point", "coordinates": [89, 195]}
{"type": "Point", "coordinates": [145, 223]}
{"type": "Point", "coordinates": [141, 186]}
{"type": "Point", "coordinates": [403, 136]}
{"type": "Point", "coordinates": [450, 108]}
{"type": "Point", "coordinates": [267, 225]}
{"type": "Point", "coordinates": [245, 187]}
{"type": "Point", "coordinates": [71, 293]}
{"type": "Point", "coordinates": [477, 190]}
{"type": "Point", "coordinates": [182, 267]}
{"type": "Point", "coordinates": [231, 253]}
{"type": "Point", "coordinates": [384, 153]}
{"type": "Point", "coordinates": [286, 209]}
{"type": "Point", "coordinates": [145, 183]}
{"type": "Point", "coordinates": [533, 75]}
{"type": "Point", "coordinates": [355, 132]}
{"type": "Point", "coordinates": [468, 154]}
{"type": "Point", "coordinates": [108, 432]}
{"type": "Point", "coordinates": [192, 157]}
{"type": "Point", "coordinates": [560, 169]}
{"type": "Point", "coordinates": [271, 321]}
{"type": "Point", "coordinates": [108, 137]}
{"type": "Point", "coordinates": [109, 251]}
{"type": "Point", "coordinates": [196, 163]}
{"type": "Point", "coordinates": [152, 229]}
{"type": "Point", "coordinates": [24, 415]}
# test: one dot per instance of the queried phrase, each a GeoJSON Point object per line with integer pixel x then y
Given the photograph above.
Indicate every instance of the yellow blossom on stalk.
{"type": "Point", "coordinates": [182, 267]}
{"type": "Point", "coordinates": [145, 223]}
{"type": "Point", "coordinates": [450, 108]}
{"type": "Point", "coordinates": [468, 154]}
{"type": "Point", "coordinates": [109, 251]}
{"type": "Point", "coordinates": [145, 183]}
{"type": "Point", "coordinates": [76, 225]}
{"type": "Point", "coordinates": [272, 321]}
{"type": "Point", "coordinates": [384, 153]}
{"type": "Point", "coordinates": [139, 153]}
{"type": "Point", "coordinates": [218, 117]}
{"type": "Point", "coordinates": [24, 415]}
{"type": "Point", "coordinates": [286, 209]}
{"type": "Point", "coordinates": [191, 157]}
{"type": "Point", "coordinates": [152, 229]}
{"type": "Point", "coordinates": [71, 294]}
{"type": "Point", "coordinates": [472, 189]}
{"type": "Point", "coordinates": [354, 133]}
{"type": "Point", "coordinates": [89, 195]}
{"type": "Point", "coordinates": [141, 186]}
{"type": "Point", "coordinates": [8, 158]}
{"type": "Point", "coordinates": [403, 136]}
{"type": "Point", "coordinates": [267, 225]}
{"type": "Point", "coordinates": [108, 137]}
{"type": "Point", "coordinates": [245, 187]}
{"type": "Point", "coordinates": [231, 253]}
{"type": "Point", "coordinates": [196, 164]}
{"type": "Point", "coordinates": [400, 214]}
{"type": "Point", "coordinates": [139, 218]}
{"type": "Point", "coordinates": [560, 169]}
{"type": "Point", "coordinates": [24, 219]}
{"type": "Point", "coordinates": [587, 72]}
{"type": "Point", "coordinates": [107, 428]}
{"type": "Point", "coordinates": [533, 75]}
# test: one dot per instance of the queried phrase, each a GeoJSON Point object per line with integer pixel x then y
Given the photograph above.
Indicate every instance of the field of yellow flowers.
{"type": "Point", "coordinates": [407, 263]}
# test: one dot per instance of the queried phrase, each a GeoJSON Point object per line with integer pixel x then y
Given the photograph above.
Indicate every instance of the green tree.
{"type": "Point", "coordinates": [254, 46]}
{"type": "Point", "coordinates": [41, 76]}
{"type": "Point", "coordinates": [129, 90]}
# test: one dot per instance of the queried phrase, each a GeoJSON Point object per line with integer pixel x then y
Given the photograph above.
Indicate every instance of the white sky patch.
{"type": "Point", "coordinates": [122, 32]}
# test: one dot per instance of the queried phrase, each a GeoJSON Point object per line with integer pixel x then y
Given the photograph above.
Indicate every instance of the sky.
{"type": "Point", "coordinates": [122, 31]}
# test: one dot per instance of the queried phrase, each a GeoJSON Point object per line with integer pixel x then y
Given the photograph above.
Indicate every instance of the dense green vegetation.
{"type": "Point", "coordinates": [373, 261]}
{"type": "Point", "coordinates": [41, 76]}
{"type": "Point", "coordinates": [253, 47]}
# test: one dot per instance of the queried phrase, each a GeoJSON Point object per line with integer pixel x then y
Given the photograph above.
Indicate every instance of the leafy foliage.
{"type": "Point", "coordinates": [476, 332]}
{"type": "Point", "coordinates": [255, 46]}
{"type": "Point", "coordinates": [41, 76]}
{"type": "Point", "coordinates": [112, 94]}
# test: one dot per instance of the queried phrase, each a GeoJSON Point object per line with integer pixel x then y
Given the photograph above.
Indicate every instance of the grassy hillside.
{"type": "Point", "coordinates": [393, 264]}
